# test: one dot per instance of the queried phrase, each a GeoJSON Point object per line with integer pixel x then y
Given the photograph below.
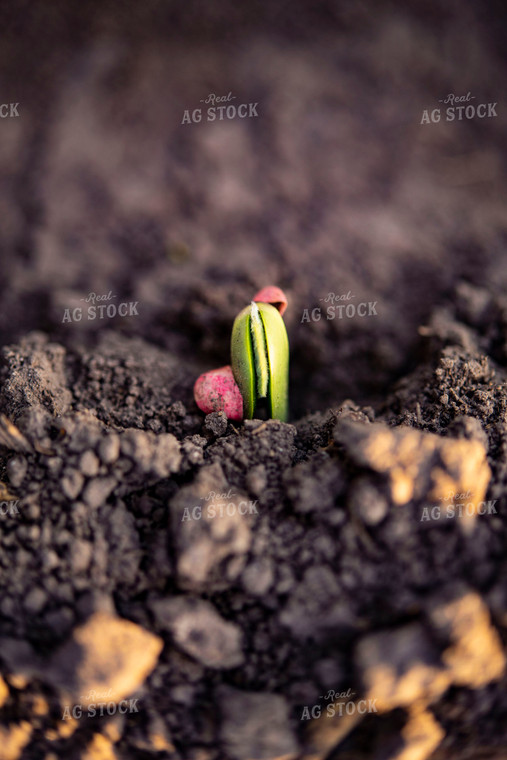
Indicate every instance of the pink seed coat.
{"type": "Point", "coordinates": [273, 295]}
{"type": "Point", "coordinates": [217, 391]}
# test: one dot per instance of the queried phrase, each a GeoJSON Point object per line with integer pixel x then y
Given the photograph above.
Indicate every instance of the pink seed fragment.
{"type": "Point", "coordinates": [217, 391]}
{"type": "Point", "coordinates": [273, 295]}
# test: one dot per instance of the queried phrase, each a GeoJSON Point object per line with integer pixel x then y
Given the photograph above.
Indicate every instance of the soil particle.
{"type": "Point", "coordinates": [255, 725]}
{"type": "Point", "coordinates": [36, 371]}
{"type": "Point", "coordinates": [16, 471]}
{"type": "Point", "coordinates": [109, 449]}
{"type": "Point", "coordinates": [200, 631]}
{"type": "Point", "coordinates": [216, 423]}
{"type": "Point", "coordinates": [72, 483]}
{"type": "Point", "coordinates": [89, 464]}
{"type": "Point", "coordinates": [258, 577]}
{"type": "Point", "coordinates": [97, 491]}
{"type": "Point", "coordinates": [210, 545]}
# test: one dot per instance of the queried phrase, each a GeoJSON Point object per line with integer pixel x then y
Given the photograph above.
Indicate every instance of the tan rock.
{"type": "Point", "coordinates": [100, 748]}
{"type": "Point", "coordinates": [155, 737]}
{"type": "Point", "coordinates": [40, 706]}
{"type": "Point", "coordinates": [4, 692]}
{"type": "Point", "coordinates": [13, 739]}
{"type": "Point", "coordinates": [64, 728]}
{"type": "Point", "coordinates": [18, 681]}
{"type": "Point", "coordinates": [400, 668]}
{"type": "Point", "coordinates": [114, 728]}
{"type": "Point", "coordinates": [421, 735]}
{"type": "Point", "coordinates": [476, 656]}
{"type": "Point", "coordinates": [106, 659]}
{"type": "Point", "coordinates": [419, 465]}
{"type": "Point", "coordinates": [5, 494]}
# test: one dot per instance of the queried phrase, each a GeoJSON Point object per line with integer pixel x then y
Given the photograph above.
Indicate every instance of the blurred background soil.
{"type": "Point", "coordinates": [336, 186]}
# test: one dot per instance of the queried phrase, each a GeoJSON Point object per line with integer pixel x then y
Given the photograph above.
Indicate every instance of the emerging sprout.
{"type": "Point", "coordinates": [260, 359]}
{"type": "Point", "coordinates": [260, 363]}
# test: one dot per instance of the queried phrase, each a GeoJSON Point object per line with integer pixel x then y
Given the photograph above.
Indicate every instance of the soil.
{"type": "Point", "coordinates": [364, 551]}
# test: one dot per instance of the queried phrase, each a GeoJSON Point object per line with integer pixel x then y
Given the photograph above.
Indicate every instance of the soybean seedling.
{"type": "Point", "coordinates": [260, 363]}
